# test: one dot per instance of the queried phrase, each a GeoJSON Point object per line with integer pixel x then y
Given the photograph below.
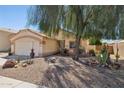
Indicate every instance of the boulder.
{"type": "Point", "coordinates": [51, 60]}
{"type": "Point", "coordinates": [24, 65]}
{"type": "Point", "coordinates": [9, 64]}
{"type": "Point", "coordinates": [30, 62]}
{"type": "Point", "coordinates": [16, 66]}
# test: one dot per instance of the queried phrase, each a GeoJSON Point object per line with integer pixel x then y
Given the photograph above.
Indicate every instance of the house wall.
{"type": "Point", "coordinates": [69, 37]}
{"type": "Point", "coordinates": [49, 46]}
{"type": "Point", "coordinates": [5, 44]}
{"type": "Point", "coordinates": [25, 33]}
{"type": "Point", "coordinates": [85, 44]}
{"type": "Point", "coordinates": [24, 38]}
{"type": "Point", "coordinates": [66, 36]}
{"type": "Point", "coordinates": [121, 49]}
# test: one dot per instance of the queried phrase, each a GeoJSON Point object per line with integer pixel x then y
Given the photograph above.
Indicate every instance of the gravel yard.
{"type": "Point", "coordinates": [66, 73]}
{"type": "Point", "coordinates": [32, 73]}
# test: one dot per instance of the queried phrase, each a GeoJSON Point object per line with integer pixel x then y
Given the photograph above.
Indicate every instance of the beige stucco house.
{"type": "Point", "coordinates": [21, 42]}
{"type": "Point", "coordinates": [120, 45]}
{"type": "Point", "coordinates": [27, 39]}
{"type": "Point", "coordinates": [5, 44]}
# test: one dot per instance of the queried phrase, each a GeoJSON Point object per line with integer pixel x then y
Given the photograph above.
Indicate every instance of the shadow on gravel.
{"type": "Point", "coordinates": [71, 74]}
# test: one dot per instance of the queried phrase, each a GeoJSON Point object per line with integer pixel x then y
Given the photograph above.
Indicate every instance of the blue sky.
{"type": "Point", "coordinates": [14, 17]}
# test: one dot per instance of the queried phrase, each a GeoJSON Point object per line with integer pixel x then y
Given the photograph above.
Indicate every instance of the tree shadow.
{"type": "Point", "coordinates": [60, 76]}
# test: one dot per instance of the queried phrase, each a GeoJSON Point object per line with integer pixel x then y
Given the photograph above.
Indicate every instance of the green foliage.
{"type": "Point", "coordinates": [85, 21]}
{"type": "Point", "coordinates": [94, 41]}
{"type": "Point", "coordinates": [103, 56]}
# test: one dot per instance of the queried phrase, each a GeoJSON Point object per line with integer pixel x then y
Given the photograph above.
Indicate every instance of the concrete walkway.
{"type": "Point", "coordinates": [2, 61]}
{"type": "Point", "coordinates": [6, 82]}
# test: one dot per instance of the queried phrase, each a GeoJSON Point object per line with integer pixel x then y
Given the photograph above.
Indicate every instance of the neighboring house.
{"type": "Point", "coordinates": [27, 39]}
{"type": "Point", "coordinates": [120, 45]}
{"type": "Point", "coordinates": [5, 44]}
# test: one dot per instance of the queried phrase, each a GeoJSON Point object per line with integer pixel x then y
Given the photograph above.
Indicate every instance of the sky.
{"type": "Point", "coordinates": [13, 16]}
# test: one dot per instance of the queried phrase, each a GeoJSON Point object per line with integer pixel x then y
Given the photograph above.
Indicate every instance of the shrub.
{"type": "Point", "coordinates": [94, 41]}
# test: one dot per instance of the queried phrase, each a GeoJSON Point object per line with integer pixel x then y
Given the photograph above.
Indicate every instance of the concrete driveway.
{"type": "Point", "coordinates": [2, 61]}
{"type": "Point", "coordinates": [6, 82]}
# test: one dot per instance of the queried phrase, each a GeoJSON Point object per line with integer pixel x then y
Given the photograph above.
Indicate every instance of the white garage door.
{"type": "Point", "coordinates": [23, 46]}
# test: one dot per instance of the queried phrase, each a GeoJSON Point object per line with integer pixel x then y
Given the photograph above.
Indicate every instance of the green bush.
{"type": "Point", "coordinates": [103, 56]}
{"type": "Point", "coordinates": [94, 41]}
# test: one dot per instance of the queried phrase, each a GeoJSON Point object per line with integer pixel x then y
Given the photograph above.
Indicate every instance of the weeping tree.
{"type": "Point", "coordinates": [77, 19]}
{"type": "Point", "coordinates": [45, 16]}
{"type": "Point", "coordinates": [73, 18]}
{"type": "Point", "coordinates": [82, 21]}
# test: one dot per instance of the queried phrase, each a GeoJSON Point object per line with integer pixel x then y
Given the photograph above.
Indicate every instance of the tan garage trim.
{"type": "Point", "coordinates": [27, 37]}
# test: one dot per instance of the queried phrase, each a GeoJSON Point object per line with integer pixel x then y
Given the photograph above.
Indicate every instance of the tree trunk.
{"type": "Point", "coordinates": [76, 51]}
{"type": "Point", "coordinates": [62, 47]}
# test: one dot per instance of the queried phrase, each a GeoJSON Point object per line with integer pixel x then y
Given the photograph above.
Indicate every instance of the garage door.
{"type": "Point", "coordinates": [23, 46]}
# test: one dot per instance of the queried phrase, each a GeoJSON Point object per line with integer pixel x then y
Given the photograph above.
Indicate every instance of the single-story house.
{"type": "Point", "coordinates": [5, 44]}
{"type": "Point", "coordinates": [27, 39]}
{"type": "Point", "coordinates": [21, 42]}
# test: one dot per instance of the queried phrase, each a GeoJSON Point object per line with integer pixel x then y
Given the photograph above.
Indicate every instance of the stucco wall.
{"type": "Point", "coordinates": [66, 36]}
{"type": "Point", "coordinates": [44, 45]}
{"type": "Point", "coordinates": [50, 46]}
{"type": "Point", "coordinates": [121, 48]}
{"type": "Point", "coordinates": [4, 41]}
{"type": "Point", "coordinates": [25, 33]}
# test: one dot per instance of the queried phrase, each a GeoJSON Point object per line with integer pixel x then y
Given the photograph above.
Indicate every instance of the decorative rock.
{"type": "Point", "coordinates": [30, 62]}
{"type": "Point", "coordinates": [16, 66]}
{"type": "Point", "coordinates": [24, 65]}
{"type": "Point", "coordinates": [51, 60]}
{"type": "Point", "coordinates": [16, 62]}
{"type": "Point", "coordinates": [9, 64]}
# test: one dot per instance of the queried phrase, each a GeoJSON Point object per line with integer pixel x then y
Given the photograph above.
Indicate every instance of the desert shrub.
{"type": "Point", "coordinates": [104, 56]}
{"type": "Point", "coordinates": [94, 41]}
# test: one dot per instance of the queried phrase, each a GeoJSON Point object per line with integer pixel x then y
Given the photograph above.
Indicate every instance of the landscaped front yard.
{"type": "Point", "coordinates": [66, 72]}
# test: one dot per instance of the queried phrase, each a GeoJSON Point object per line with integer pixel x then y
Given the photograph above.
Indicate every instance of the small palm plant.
{"type": "Point", "coordinates": [103, 57]}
